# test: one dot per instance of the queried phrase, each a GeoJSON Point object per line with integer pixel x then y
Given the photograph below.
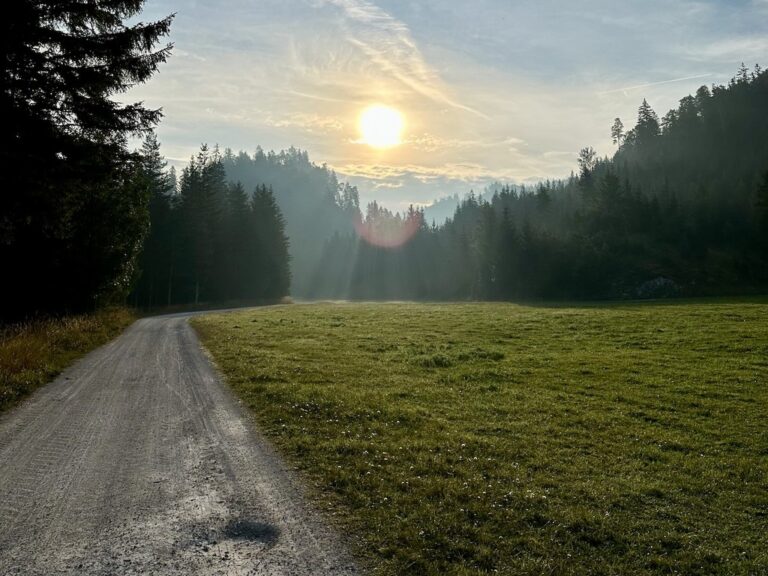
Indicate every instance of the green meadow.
{"type": "Point", "coordinates": [492, 438]}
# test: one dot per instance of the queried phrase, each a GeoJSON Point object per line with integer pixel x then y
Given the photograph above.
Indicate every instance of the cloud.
{"type": "Point", "coordinates": [467, 172]}
{"type": "Point", "coordinates": [388, 185]}
{"type": "Point", "coordinates": [486, 95]}
{"type": "Point", "coordinates": [746, 48]}
{"type": "Point", "coordinates": [310, 122]}
{"type": "Point", "coordinates": [388, 43]}
{"type": "Point", "coordinates": [318, 97]}
{"type": "Point", "coordinates": [432, 143]}
{"type": "Point", "coordinates": [650, 84]}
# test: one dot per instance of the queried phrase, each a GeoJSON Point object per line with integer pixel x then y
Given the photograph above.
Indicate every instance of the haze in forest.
{"type": "Point", "coordinates": [200, 154]}
{"type": "Point", "coordinates": [490, 91]}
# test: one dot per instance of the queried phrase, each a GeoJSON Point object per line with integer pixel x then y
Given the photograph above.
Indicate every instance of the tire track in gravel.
{"type": "Point", "coordinates": [138, 460]}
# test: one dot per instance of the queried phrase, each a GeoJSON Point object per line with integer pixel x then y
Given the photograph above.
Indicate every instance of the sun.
{"type": "Point", "coordinates": [381, 126]}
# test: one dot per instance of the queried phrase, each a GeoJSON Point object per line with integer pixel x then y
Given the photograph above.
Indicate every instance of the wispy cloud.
{"type": "Point", "coordinates": [467, 172]}
{"type": "Point", "coordinates": [628, 89]}
{"type": "Point", "coordinates": [318, 97]}
{"type": "Point", "coordinates": [738, 49]}
{"type": "Point", "coordinates": [388, 185]}
{"type": "Point", "coordinates": [388, 43]}
{"type": "Point", "coordinates": [431, 143]}
{"type": "Point", "coordinates": [306, 121]}
{"type": "Point", "coordinates": [276, 73]}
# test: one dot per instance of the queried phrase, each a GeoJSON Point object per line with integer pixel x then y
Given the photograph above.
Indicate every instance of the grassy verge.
{"type": "Point", "coordinates": [32, 354]}
{"type": "Point", "coordinates": [495, 438]}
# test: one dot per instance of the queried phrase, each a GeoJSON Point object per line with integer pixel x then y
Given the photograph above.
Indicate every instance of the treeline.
{"type": "Point", "coordinates": [681, 208]}
{"type": "Point", "coordinates": [313, 201]}
{"type": "Point", "coordinates": [210, 240]}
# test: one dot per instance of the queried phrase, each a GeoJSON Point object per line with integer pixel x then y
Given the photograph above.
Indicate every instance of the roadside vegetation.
{"type": "Point", "coordinates": [497, 438]}
{"type": "Point", "coordinates": [33, 353]}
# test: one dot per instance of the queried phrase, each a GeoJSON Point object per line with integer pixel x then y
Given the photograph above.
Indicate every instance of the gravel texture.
{"type": "Point", "coordinates": [138, 460]}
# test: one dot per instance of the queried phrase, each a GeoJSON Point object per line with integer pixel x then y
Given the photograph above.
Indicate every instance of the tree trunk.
{"type": "Point", "coordinates": [170, 282]}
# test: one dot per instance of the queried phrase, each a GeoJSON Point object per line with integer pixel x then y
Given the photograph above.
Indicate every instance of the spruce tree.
{"type": "Point", "coordinates": [72, 212]}
{"type": "Point", "coordinates": [647, 124]}
{"type": "Point", "coordinates": [270, 258]}
{"type": "Point", "coordinates": [233, 261]}
{"type": "Point", "coordinates": [156, 261]}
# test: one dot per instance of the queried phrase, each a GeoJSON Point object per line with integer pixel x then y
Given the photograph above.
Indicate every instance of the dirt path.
{"type": "Point", "coordinates": [137, 460]}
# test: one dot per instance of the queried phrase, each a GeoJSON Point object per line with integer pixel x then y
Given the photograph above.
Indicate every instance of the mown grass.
{"type": "Point", "coordinates": [33, 353]}
{"type": "Point", "coordinates": [496, 438]}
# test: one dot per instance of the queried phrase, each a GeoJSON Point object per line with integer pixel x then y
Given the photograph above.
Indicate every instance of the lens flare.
{"type": "Point", "coordinates": [390, 233]}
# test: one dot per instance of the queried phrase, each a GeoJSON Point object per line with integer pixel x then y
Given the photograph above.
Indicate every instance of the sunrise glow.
{"type": "Point", "coordinates": [381, 126]}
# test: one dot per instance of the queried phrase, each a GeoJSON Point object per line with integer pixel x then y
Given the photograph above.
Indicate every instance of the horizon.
{"type": "Point", "coordinates": [478, 108]}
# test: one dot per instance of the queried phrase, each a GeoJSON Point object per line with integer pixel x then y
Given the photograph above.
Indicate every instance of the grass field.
{"type": "Point", "coordinates": [32, 354]}
{"type": "Point", "coordinates": [496, 438]}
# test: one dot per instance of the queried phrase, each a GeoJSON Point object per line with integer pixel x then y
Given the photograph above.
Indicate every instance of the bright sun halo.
{"type": "Point", "coordinates": [381, 126]}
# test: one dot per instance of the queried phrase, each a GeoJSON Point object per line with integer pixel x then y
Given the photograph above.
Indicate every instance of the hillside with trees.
{"type": "Point", "coordinates": [210, 239]}
{"type": "Point", "coordinates": [680, 209]}
{"type": "Point", "coordinates": [311, 198]}
{"type": "Point", "coordinates": [673, 212]}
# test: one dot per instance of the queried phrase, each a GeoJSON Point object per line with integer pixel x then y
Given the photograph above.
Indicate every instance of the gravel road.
{"type": "Point", "coordinates": [137, 460]}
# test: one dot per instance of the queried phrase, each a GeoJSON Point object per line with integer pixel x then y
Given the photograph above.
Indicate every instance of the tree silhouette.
{"type": "Point", "coordinates": [76, 211]}
{"type": "Point", "coordinates": [617, 132]}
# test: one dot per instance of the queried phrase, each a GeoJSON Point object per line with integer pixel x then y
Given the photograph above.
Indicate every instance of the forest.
{"type": "Point", "coordinates": [209, 240]}
{"type": "Point", "coordinates": [680, 209]}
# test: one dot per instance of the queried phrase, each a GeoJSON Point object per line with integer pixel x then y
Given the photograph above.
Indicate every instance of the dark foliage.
{"type": "Point", "coordinates": [681, 208]}
{"type": "Point", "coordinates": [314, 203]}
{"type": "Point", "coordinates": [72, 212]}
{"type": "Point", "coordinates": [210, 241]}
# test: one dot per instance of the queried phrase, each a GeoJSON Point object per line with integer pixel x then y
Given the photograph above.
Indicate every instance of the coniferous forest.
{"type": "Point", "coordinates": [73, 208]}
{"type": "Point", "coordinates": [210, 240]}
{"type": "Point", "coordinates": [681, 208]}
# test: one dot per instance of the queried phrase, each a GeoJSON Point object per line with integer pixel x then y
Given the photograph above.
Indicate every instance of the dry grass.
{"type": "Point", "coordinates": [33, 353]}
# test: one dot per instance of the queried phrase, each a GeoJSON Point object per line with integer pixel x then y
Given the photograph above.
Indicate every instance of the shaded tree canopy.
{"type": "Point", "coordinates": [73, 212]}
{"type": "Point", "coordinates": [681, 208]}
{"type": "Point", "coordinates": [210, 240]}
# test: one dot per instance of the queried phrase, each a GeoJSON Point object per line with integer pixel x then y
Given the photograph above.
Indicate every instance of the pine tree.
{"type": "Point", "coordinates": [202, 197]}
{"type": "Point", "coordinates": [587, 162]}
{"type": "Point", "coordinates": [155, 264]}
{"type": "Point", "coordinates": [233, 262]}
{"type": "Point", "coordinates": [270, 250]}
{"type": "Point", "coordinates": [77, 214]}
{"type": "Point", "coordinates": [617, 132]}
{"type": "Point", "coordinates": [647, 124]}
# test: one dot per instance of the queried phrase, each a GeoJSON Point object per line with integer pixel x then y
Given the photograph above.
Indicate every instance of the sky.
{"type": "Point", "coordinates": [490, 90]}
